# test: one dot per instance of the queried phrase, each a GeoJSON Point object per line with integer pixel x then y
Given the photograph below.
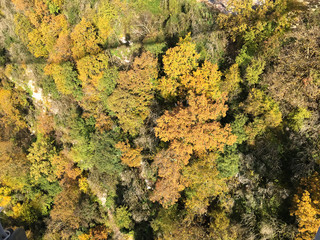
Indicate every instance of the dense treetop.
{"type": "Point", "coordinates": [160, 119]}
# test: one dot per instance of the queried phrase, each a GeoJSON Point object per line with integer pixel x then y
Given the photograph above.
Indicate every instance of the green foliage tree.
{"type": "Point", "coordinates": [297, 117]}
{"type": "Point", "coordinates": [65, 78]}
{"type": "Point", "coordinates": [98, 81]}
{"type": "Point", "coordinates": [228, 162]}
{"type": "Point", "coordinates": [122, 217]}
{"type": "Point", "coordinates": [199, 192]}
{"type": "Point", "coordinates": [265, 110]}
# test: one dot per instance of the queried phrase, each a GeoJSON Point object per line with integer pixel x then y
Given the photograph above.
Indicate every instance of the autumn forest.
{"type": "Point", "coordinates": [160, 119]}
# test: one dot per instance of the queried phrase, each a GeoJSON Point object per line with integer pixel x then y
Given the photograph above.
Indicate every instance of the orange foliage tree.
{"type": "Point", "coordinates": [171, 183]}
{"type": "Point", "coordinates": [22, 4]}
{"type": "Point", "coordinates": [65, 167]}
{"type": "Point", "coordinates": [191, 129]}
{"type": "Point", "coordinates": [196, 125]}
{"type": "Point", "coordinates": [62, 49]}
{"type": "Point", "coordinates": [130, 156]}
{"type": "Point", "coordinates": [103, 123]}
{"type": "Point", "coordinates": [64, 215]}
{"type": "Point", "coordinates": [45, 123]}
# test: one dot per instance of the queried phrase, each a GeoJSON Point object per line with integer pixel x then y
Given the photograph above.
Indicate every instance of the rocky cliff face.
{"type": "Point", "coordinates": [222, 5]}
{"type": "Point", "coordinates": [218, 5]}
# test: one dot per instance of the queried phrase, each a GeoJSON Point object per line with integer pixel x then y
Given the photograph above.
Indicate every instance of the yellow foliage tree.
{"type": "Point", "coordinates": [178, 62]}
{"type": "Point", "coordinates": [85, 39]}
{"type": "Point", "coordinates": [232, 80]}
{"type": "Point", "coordinates": [184, 76]}
{"type": "Point", "coordinates": [134, 93]}
{"type": "Point", "coordinates": [91, 69]}
{"type": "Point", "coordinates": [205, 80]}
{"type": "Point", "coordinates": [307, 217]}
{"type": "Point", "coordinates": [181, 59]}
{"type": "Point", "coordinates": [43, 38]}
{"type": "Point", "coordinates": [103, 19]}
{"type": "Point", "coordinates": [15, 167]}
{"type": "Point", "coordinates": [219, 227]}
{"type": "Point", "coordinates": [40, 156]}
{"type": "Point", "coordinates": [256, 20]}
{"type": "Point", "coordinates": [306, 207]}
{"type": "Point", "coordinates": [10, 103]}
{"type": "Point", "coordinates": [23, 27]}
{"type": "Point", "coordinates": [5, 197]}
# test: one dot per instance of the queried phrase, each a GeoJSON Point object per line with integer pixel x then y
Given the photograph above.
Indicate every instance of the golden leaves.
{"type": "Point", "coordinates": [132, 98]}
{"type": "Point", "coordinates": [130, 156]}
{"type": "Point", "coordinates": [194, 125]}
{"type": "Point", "coordinates": [181, 59]}
{"type": "Point", "coordinates": [85, 39]}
